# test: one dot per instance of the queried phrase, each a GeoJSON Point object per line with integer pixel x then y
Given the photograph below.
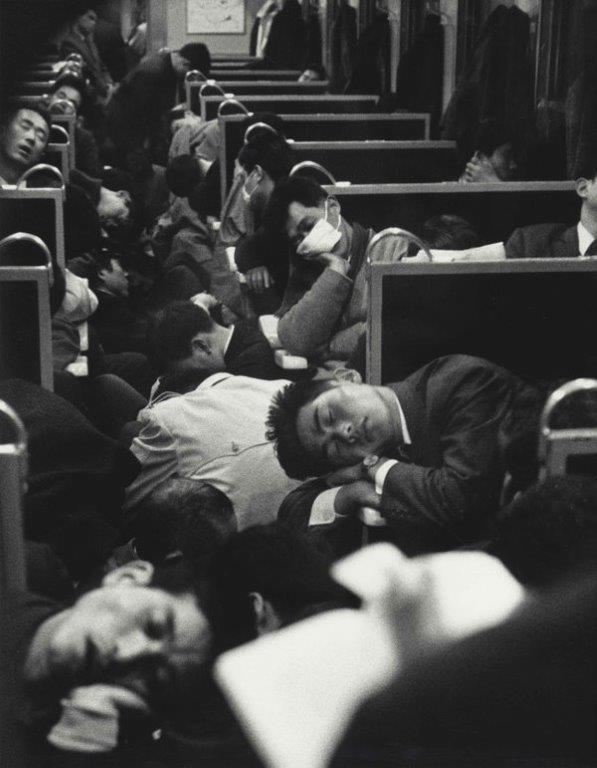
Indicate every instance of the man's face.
{"type": "Point", "coordinates": [69, 93]}
{"type": "Point", "coordinates": [25, 139]}
{"type": "Point", "coordinates": [86, 23]}
{"type": "Point", "coordinates": [116, 280]}
{"type": "Point", "coordinates": [344, 424]}
{"type": "Point", "coordinates": [119, 626]}
{"type": "Point", "coordinates": [260, 187]}
{"type": "Point", "coordinates": [180, 65]}
{"type": "Point", "coordinates": [302, 219]}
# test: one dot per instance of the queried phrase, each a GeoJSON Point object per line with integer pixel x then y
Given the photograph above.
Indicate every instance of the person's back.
{"type": "Point", "coordinates": [215, 433]}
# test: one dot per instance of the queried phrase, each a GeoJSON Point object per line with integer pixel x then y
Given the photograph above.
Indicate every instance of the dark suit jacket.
{"type": "Point", "coordinates": [285, 47]}
{"type": "Point", "coordinates": [74, 43]}
{"type": "Point", "coordinates": [143, 97]}
{"type": "Point", "coordinates": [249, 354]}
{"type": "Point", "coordinates": [446, 485]}
{"type": "Point", "coordinates": [539, 241]}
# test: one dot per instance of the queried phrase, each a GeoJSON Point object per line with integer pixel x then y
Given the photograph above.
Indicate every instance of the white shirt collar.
{"type": "Point", "coordinates": [405, 433]}
{"type": "Point", "coordinates": [585, 238]}
{"type": "Point", "coordinates": [227, 344]}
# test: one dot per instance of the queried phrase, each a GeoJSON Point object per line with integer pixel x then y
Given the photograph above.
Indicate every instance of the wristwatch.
{"type": "Point", "coordinates": [369, 464]}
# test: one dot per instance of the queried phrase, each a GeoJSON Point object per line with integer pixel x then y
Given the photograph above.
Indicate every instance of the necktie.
{"type": "Point", "coordinates": [592, 249]}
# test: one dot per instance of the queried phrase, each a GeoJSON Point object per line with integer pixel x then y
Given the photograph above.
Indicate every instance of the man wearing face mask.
{"type": "Point", "coordinates": [323, 310]}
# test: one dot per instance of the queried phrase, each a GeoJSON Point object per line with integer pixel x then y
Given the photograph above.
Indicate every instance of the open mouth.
{"type": "Point", "coordinates": [24, 152]}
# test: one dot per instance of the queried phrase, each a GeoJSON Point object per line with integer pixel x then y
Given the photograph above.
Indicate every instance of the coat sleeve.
{"type": "Point", "coordinates": [310, 323]}
{"type": "Point", "coordinates": [515, 245]}
{"type": "Point", "coordinates": [468, 480]}
{"type": "Point", "coordinates": [155, 448]}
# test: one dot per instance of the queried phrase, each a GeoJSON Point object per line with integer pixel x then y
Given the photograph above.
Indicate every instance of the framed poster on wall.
{"type": "Point", "coordinates": [215, 17]}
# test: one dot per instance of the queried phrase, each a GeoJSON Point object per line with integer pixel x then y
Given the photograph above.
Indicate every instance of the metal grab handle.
{"type": "Point", "coordinates": [27, 237]}
{"type": "Point", "coordinates": [556, 397]}
{"type": "Point", "coordinates": [235, 103]}
{"type": "Point", "coordinates": [397, 232]}
{"type": "Point", "coordinates": [314, 166]}
{"type": "Point", "coordinates": [194, 76]}
{"type": "Point", "coordinates": [41, 167]}
{"type": "Point", "coordinates": [251, 128]}
{"type": "Point", "coordinates": [213, 86]}
{"type": "Point", "coordinates": [20, 438]}
{"type": "Point", "coordinates": [63, 136]}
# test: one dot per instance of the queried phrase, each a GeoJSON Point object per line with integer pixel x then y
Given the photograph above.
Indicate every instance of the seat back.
{"type": "Point", "coordinates": [25, 321]}
{"type": "Point", "coordinates": [495, 210]}
{"type": "Point", "coordinates": [569, 447]}
{"type": "Point", "coordinates": [240, 88]}
{"type": "Point", "coordinates": [528, 315]}
{"type": "Point", "coordinates": [295, 104]}
{"type": "Point", "coordinates": [38, 211]}
{"type": "Point", "coordinates": [13, 459]}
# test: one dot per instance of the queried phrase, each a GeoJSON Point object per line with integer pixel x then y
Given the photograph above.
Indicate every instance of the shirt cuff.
{"type": "Point", "coordinates": [322, 511]}
{"type": "Point", "coordinates": [381, 474]}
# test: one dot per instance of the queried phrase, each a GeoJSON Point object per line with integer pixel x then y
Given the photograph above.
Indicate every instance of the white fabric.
{"type": "Point", "coordinates": [382, 473]}
{"type": "Point", "coordinates": [585, 239]}
{"type": "Point", "coordinates": [322, 511]}
{"type": "Point", "coordinates": [266, 15]}
{"type": "Point", "coordinates": [491, 252]}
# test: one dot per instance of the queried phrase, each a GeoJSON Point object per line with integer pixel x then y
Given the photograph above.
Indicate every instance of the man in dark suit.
{"type": "Point", "coordinates": [279, 35]}
{"type": "Point", "coordinates": [189, 345]}
{"type": "Point", "coordinates": [558, 240]}
{"type": "Point", "coordinates": [424, 452]}
{"type": "Point", "coordinates": [136, 114]}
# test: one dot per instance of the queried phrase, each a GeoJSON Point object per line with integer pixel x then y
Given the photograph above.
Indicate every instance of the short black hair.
{"type": "Point", "coordinates": [283, 566]}
{"type": "Point", "coordinates": [184, 516]}
{"type": "Point", "coordinates": [197, 54]}
{"type": "Point", "coordinates": [183, 174]}
{"type": "Point", "coordinates": [550, 529]}
{"type": "Point", "coordinates": [281, 428]}
{"type": "Point", "coordinates": [14, 106]}
{"type": "Point", "coordinates": [449, 231]}
{"type": "Point", "coordinates": [269, 118]}
{"type": "Point", "coordinates": [73, 81]}
{"type": "Point", "coordinates": [297, 189]}
{"type": "Point", "coordinates": [271, 152]}
{"type": "Point", "coordinates": [90, 265]}
{"type": "Point", "coordinates": [173, 328]}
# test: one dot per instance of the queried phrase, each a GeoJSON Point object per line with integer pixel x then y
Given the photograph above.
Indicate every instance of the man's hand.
{"type": "Point", "coordinates": [479, 169]}
{"type": "Point", "coordinates": [330, 260]}
{"type": "Point", "coordinates": [345, 475]}
{"type": "Point", "coordinates": [350, 498]}
{"type": "Point", "coordinates": [258, 279]}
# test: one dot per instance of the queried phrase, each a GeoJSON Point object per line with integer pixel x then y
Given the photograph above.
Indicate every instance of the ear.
{"type": "Point", "coordinates": [136, 573]}
{"type": "Point", "coordinates": [266, 619]}
{"type": "Point", "coordinates": [260, 171]}
{"type": "Point", "coordinates": [582, 187]}
{"type": "Point", "coordinates": [347, 375]}
{"type": "Point", "coordinates": [334, 209]}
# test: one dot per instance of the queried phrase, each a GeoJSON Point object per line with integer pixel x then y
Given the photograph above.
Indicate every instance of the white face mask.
{"type": "Point", "coordinates": [321, 239]}
{"type": "Point", "coordinates": [245, 193]}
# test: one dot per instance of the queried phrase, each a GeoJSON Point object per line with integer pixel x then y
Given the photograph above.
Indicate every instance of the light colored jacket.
{"type": "Point", "coordinates": [215, 433]}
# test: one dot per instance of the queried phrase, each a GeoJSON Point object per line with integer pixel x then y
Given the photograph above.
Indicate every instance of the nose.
{"type": "Point", "coordinates": [346, 432]}
{"type": "Point", "coordinates": [135, 645]}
